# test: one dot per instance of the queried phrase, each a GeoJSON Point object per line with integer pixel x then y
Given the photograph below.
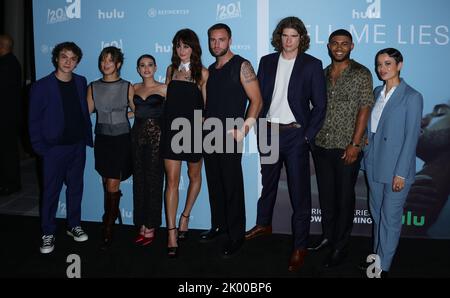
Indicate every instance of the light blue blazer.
{"type": "Point", "coordinates": [392, 149]}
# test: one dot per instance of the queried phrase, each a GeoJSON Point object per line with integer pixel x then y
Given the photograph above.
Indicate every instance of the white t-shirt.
{"type": "Point", "coordinates": [279, 111]}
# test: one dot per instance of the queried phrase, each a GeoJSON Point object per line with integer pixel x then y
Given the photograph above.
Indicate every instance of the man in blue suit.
{"type": "Point", "coordinates": [290, 81]}
{"type": "Point", "coordinates": [60, 128]}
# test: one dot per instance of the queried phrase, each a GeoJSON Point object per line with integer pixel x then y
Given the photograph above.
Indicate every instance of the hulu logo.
{"type": "Point", "coordinates": [410, 220]}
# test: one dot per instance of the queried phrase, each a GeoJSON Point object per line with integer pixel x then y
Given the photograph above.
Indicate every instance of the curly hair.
{"type": "Point", "coordinates": [116, 56]}
{"type": "Point", "coordinates": [68, 46]}
{"type": "Point", "coordinates": [296, 24]}
{"type": "Point", "coordinates": [189, 37]}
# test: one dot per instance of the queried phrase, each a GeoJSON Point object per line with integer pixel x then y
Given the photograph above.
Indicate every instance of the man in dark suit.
{"type": "Point", "coordinates": [60, 128]}
{"type": "Point", "coordinates": [290, 82]}
{"type": "Point", "coordinates": [10, 89]}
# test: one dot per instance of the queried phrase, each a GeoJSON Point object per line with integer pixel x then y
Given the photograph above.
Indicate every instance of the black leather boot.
{"type": "Point", "coordinates": [112, 201]}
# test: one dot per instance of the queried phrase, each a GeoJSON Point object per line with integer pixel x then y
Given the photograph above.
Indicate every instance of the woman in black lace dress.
{"type": "Point", "coordinates": [149, 96]}
{"type": "Point", "coordinates": [186, 94]}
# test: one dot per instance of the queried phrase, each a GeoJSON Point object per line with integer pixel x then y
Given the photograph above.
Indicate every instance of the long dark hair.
{"type": "Point", "coordinates": [296, 24]}
{"type": "Point", "coordinates": [190, 38]}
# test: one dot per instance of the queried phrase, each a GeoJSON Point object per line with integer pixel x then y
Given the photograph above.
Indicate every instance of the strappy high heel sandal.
{"type": "Point", "coordinates": [183, 235]}
{"type": "Point", "coordinates": [172, 252]}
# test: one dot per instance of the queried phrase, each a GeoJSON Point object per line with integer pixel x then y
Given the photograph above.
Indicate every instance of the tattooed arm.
{"type": "Point", "coordinates": [250, 83]}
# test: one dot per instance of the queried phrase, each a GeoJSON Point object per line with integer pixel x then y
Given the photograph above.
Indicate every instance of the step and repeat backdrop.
{"type": "Point", "coordinates": [419, 29]}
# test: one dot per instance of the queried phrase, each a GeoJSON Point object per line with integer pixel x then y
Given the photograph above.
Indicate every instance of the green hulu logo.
{"type": "Point", "coordinates": [410, 220]}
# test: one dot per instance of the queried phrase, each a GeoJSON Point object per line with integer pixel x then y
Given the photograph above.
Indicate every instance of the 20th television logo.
{"type": "Point", "coordinates": [66, 13]}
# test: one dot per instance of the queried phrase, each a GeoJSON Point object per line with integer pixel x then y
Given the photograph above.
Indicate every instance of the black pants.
{"type": "Point", "coordinates": [336, 182]}
{"type": "Point", "coordinates": [226, 193]}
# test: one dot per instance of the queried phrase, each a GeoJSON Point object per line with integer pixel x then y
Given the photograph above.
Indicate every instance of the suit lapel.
{"type": "Point", "coordinates": [273, 66]}
{"type": "Point", "coordinates": [376, 94]}
{"type": "Point", "coordinates": [80, 91]}
{"type": "Point", "coordinates": [294, 82]}
{"type": "Point", "coordinates": [297, 72]}
{"type": "Point", "coordinates": [56, 92]}
{"type": "Point", "coordinates": [393, 102]}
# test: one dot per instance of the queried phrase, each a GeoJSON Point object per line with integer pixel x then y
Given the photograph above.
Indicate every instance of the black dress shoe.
{"type": "Point", "coordinates": [183, 235]}
{"type": "Point", "coordinates": [232, 247]}
{"type": "Point", "coordinates": [322, 244]}
{"type": "Point", "coordinates": [335, 258]}
{"type": "Point", "coordinates": [210, 234]}
{"type": "Point", "coordinates": [363, 266]}
{"type": "Point", "coordinates": [172, 252]}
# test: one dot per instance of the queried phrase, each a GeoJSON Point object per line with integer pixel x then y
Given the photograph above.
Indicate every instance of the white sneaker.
{"type": "Point", "coordinates": [78, 234]}
{"type": "Point", "coordinates": [48, 244]}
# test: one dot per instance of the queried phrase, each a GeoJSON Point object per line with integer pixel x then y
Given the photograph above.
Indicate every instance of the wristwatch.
{"type": "Point", "coordinates": [355, 145]}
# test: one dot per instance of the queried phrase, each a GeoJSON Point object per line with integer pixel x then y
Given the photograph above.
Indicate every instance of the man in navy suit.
{"type": "Point", "coordinates": [290, 82]}
{"type": "Point", "coordinates": [60, 128]}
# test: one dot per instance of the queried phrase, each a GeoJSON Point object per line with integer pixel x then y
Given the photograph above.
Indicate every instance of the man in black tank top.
{"type": "Point", "coordinates": [231, 82]}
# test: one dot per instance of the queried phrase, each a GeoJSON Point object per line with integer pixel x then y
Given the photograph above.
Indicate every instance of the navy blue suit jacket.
{"type": "Point", "coordinates": [306, 85]}
{"type": "Point", "coordinates": [46, 116]}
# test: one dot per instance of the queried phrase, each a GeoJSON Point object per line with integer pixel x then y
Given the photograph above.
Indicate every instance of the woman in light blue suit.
{"type": "Point", "coordinates": [390, 154]}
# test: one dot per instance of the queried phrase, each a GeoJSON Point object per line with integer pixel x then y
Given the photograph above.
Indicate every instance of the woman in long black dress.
{"type": "Point", "coordinates": [186, 94]}
{"type": "Point", "coordinates": [148, 176]}
{"type": "Point", "coordinates": [111, 97]}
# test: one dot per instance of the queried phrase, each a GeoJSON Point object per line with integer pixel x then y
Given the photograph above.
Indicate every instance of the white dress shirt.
{"type": "Point", "coordinates": [379, 107]}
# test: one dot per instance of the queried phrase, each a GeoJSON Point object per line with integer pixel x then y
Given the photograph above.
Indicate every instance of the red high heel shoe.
{"type": "Point", "coordinates": [139, 238]}
{"type": "Point", "coordinates": [148, 240]}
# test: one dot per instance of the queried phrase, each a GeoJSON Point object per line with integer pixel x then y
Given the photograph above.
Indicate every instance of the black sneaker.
{"type": "Point", "coordinates": [78, 234]}
{"type": "Point", "coordinates": [48, 244]}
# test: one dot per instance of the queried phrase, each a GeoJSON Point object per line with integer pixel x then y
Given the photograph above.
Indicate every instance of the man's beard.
{"type": "Point", "coordinates": [220, 54]}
